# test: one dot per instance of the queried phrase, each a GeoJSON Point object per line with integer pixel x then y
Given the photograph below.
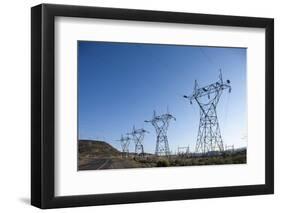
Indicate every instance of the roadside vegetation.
{"type": "Point", "coordinates": [100, 155]}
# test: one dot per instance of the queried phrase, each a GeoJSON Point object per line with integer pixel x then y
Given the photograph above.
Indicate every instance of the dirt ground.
{"type": "Point", "coordinates": [119, 162]}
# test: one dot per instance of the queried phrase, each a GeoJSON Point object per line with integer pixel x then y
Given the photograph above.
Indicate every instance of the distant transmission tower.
{"type": "Point", "coordinates": [138, 136]}
{"type": "Point", "coordinates": [125, 142]}
{"type": "Point", "coordinates": [161, 124]}
{"type": "Point", "coordinates": [183, 150]}
{"type": "Point", "coordinates": [209, 135]}
{"type": "Point", "coordinates": [229, 148]}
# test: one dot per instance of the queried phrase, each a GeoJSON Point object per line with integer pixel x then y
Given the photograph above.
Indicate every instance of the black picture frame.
{"type": "Point", "coordinates": [43, 102]}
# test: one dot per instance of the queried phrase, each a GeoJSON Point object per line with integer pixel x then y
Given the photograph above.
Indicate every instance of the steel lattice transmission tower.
{"type": "Point", "coordinates": [161, 124]}
{"type": "Point", "coordinates": [209, 136]}
{"type": "Point", "coordinates": [183, 150]}
{"type": "Point", "coordinates": [138, 136]}
{"type": "Point", "coordinates": [125, 142]}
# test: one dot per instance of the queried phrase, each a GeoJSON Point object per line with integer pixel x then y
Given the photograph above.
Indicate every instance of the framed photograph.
{"type": "Point", "coordinates": [139, 106]}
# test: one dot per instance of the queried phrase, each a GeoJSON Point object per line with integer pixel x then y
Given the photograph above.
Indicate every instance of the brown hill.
{"type": "Point", "coordinates": [92, 148]}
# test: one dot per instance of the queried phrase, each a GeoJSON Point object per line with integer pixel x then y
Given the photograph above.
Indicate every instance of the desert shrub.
{"type": "Point", "coordinates": [144, 161]}
{"type": "Point", "coordinates": [162, 163]}
{"type": "Point", "coordinates": [177, 162]}
{"type": "Point", "coordinates": [239, 159]}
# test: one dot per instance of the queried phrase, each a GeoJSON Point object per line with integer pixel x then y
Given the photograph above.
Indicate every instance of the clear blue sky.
{"type": "Point", "coordinates": [120, 84]}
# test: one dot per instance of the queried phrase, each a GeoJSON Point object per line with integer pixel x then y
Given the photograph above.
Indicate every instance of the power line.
{"type": "Point", "coordinates": [211, 61]}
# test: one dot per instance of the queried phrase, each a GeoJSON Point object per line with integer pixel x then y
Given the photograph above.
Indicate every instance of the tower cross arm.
{"type": "Point", "coordinates": [209, 89]}
{"type": "Point", "coordinates": [170, 116]}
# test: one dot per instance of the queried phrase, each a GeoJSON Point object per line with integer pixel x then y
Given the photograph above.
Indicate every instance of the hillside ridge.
{"type": "Point", "coordinates": [95, 148]}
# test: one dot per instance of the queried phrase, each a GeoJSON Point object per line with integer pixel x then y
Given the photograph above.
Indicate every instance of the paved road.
{"type": "Point", "coordinates": [97, 164]}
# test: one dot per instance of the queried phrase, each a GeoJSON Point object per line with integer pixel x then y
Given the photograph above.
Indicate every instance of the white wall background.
{"type": "Point", "coordinates": [15, 105]}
